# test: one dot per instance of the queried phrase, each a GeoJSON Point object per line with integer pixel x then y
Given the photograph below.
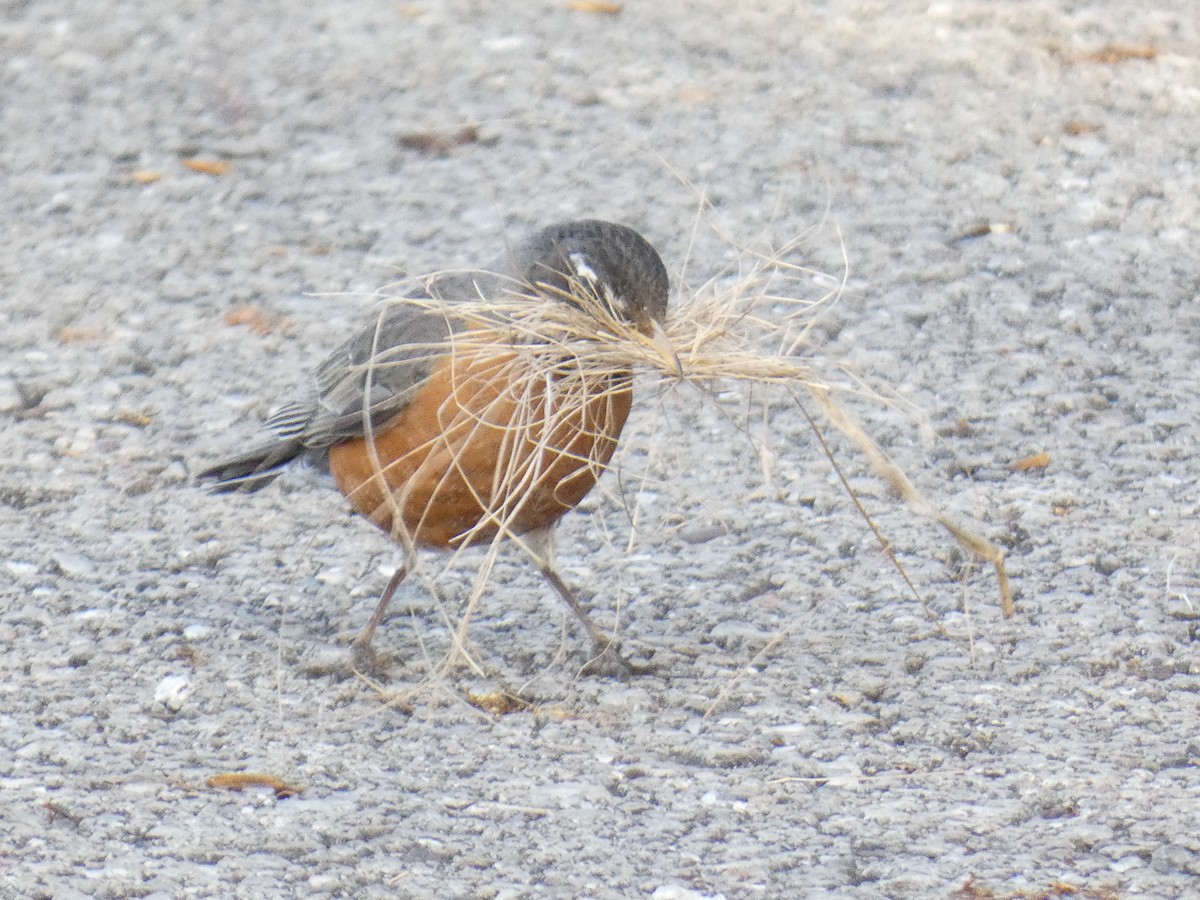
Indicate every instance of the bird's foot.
{"type": "Point", "coordinates": [610, 662]}
{"type": "Point", "coordinates": [361, 659]}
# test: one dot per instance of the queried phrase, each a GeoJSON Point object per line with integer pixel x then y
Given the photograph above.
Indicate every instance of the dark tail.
{"type": "Point", "coordinates": [253, 470]}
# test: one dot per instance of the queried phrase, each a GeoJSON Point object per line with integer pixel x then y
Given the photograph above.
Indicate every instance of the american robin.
{"type": "Point", "coordinates": [447, 429]}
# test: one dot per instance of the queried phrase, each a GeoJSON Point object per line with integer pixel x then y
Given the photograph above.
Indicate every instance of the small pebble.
{"type": "Point", "coordinates": [172, 692]}
{"type": "Point", "coordinates": [701, 532]}
{"type": "Point", "coordinates": [73, 564]}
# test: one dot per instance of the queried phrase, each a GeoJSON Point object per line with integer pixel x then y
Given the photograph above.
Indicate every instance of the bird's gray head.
{"type": "Point", "coordinates": [613, 262]}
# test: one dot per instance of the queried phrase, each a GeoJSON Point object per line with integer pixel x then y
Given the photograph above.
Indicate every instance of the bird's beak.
{"type": "Point", "coordinates": [657, 339]}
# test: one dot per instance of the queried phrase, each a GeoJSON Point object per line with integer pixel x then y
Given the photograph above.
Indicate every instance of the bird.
{"type": "Point", "coordinates": [451, 420]}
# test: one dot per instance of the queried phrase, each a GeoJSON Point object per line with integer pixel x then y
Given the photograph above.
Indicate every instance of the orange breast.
{"type": "Point", "coordinates": [486, 445]}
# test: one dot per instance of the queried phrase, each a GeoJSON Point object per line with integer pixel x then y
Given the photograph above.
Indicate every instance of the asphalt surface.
{"type": "Point", "coordinates": [1008, 191]}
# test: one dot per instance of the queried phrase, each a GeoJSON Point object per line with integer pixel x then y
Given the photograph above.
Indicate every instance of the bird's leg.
{"type": "Point", "coordinates": [539, 546]}
{"type": "Point", "coordinates": [362, 656]}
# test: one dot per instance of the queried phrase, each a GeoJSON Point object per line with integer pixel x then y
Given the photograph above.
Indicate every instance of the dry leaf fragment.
{"type": "Point", "coordinates": [136, 419]}
{"type": "Point", "coordinates": [207, 166]}
{"type": "Point", "coordinates": [1111, 54]}
{"type": "Point", "coordinates": [498, 703]}
{"type": "Point", "coordinates": [78, 335]}
{"type": "Point", "coordinates": [145, 176]}
{"type": "Point", "coordinates": [253, 318]}
{"type": "Point", "coordinates": [595, 6]}
{"type": "Point", "coordinates": [1077, 126]}
{"type": "Point", "coordinates": [436, 144]}
{"type": "Point", "coordinates": [961, 428]}
{"type": "Point", "coordinates": [1037, 461]}
{"type": "Point", "coordinates": [982, 229]}
{"type": "Point", "coordinates": [239, 781]}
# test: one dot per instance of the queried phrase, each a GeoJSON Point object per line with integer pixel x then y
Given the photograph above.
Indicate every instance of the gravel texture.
{"type": "Point", "coordinates": [1018, 207]}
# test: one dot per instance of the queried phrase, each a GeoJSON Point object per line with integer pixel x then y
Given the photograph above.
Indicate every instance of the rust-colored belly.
{"type": "Point", "coordinates": [485, 446]}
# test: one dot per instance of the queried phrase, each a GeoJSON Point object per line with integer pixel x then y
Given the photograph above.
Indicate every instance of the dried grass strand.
{"type": "Point", "coordinates": [560, 359]}
{"type": "Point", "coordinates": [890, 472]}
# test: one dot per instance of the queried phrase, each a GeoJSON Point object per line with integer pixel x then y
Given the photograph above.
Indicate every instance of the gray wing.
{"type": "Point", "coordinates": [370, 379]}
{"type": "Point", "coordinates": [365, 382]}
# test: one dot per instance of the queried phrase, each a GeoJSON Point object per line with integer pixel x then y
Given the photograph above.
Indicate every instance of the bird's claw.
{"type": "Point", "coordinates": [610, 662]}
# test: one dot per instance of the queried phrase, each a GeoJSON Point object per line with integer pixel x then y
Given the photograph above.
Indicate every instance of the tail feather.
{"type": "Point", "coordinates": [251, 471]}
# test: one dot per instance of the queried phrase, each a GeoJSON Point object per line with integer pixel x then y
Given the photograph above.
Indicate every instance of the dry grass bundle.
{"type": "Point", "coordinates": [566, 371]}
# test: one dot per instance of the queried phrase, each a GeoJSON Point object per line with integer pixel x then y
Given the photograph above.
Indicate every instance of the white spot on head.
{"type": "Point", "coordinates": [583, 269]}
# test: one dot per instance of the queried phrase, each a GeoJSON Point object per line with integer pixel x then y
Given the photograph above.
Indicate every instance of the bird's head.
{"type": "Point", "coordinates": [606, 269]}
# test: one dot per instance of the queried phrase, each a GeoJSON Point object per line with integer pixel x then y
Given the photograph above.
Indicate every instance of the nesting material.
{"type": "Point", "coordinates": [568, 371]}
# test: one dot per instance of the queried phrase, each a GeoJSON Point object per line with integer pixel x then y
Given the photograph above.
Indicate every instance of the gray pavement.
{"type": "Point", "coordinates": [812, 729]}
